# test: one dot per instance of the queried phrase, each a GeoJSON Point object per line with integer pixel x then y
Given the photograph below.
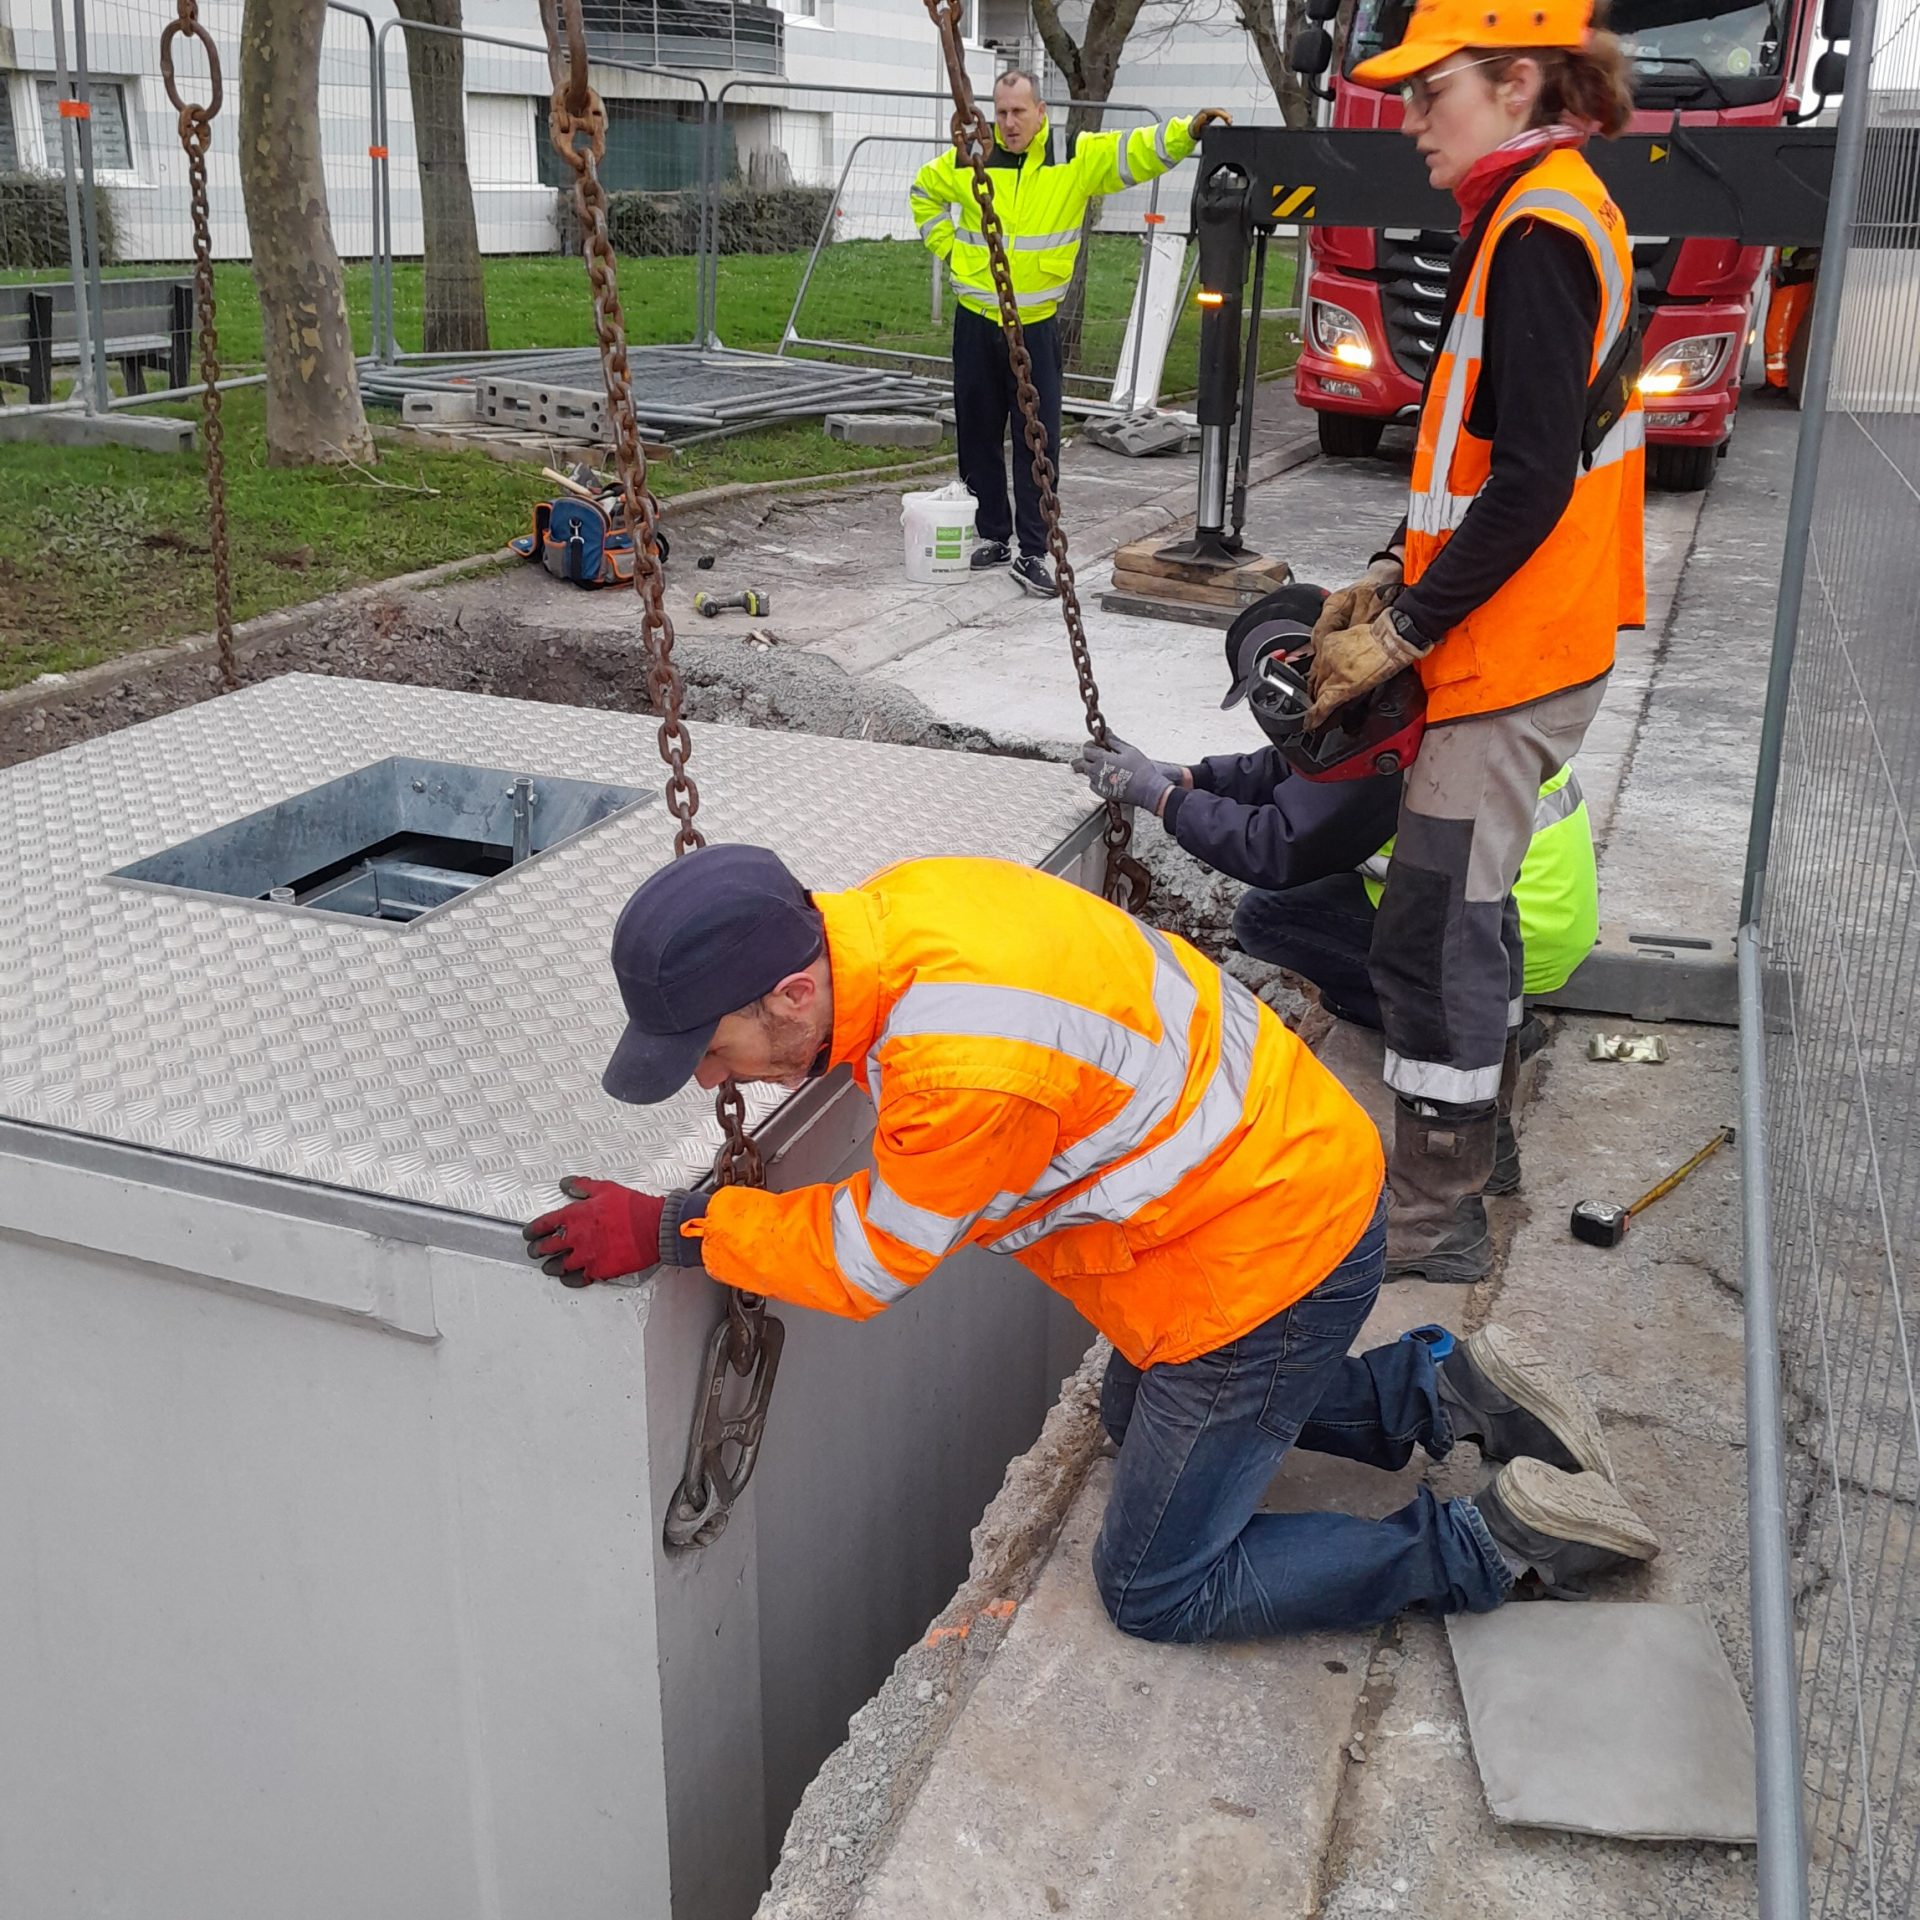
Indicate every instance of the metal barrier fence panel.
{"type": "Point", "coordinates": [492, 106]}
{"type": "Point", "coordinates": [112, 186]}
{"type": "Point", "coordinates": [1836, 890]}
{"type": "Point", "coordinates": [817, 250]}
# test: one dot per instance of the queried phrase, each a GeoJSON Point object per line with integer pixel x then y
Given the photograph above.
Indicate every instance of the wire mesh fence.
{"type": "Point", "coordinates": [817, 250]}
{"type": "Point", "coordinates": [1833, 1005]}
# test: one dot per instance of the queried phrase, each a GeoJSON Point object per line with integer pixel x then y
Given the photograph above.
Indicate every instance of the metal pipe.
{"type": "Point", "coordinates": [1782, 1851]}
{"type": "Point", "coordinates": [1249, 384]}
{"type": "Point", "coordinates": [125, 400]}
{"type": "Point", "coordinates": [89, 198]}
{"type": "Point", "coordinates": [1848, 157]}
{"type": "Point", "coordinates": [1213, 478]}
{"type": "Point", "coordinates": [374, 147]}
{"type": "Point", "coordinates": [76, 242]}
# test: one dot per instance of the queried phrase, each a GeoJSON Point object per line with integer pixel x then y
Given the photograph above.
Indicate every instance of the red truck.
{"type": "Point", "coordinates": [1372, 313]}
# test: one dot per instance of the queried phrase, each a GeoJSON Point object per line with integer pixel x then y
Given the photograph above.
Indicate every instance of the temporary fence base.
{"type": "Point", "coordinates": [72, 427]}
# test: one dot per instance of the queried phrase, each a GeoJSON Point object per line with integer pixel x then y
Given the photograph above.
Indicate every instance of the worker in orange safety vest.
{"type": "Point", "coordinates": [1054, 1081]}
{"type": "Point", "coordinates": [1519, 557]}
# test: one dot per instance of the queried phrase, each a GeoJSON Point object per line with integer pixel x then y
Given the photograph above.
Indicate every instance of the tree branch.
{"type": "Point", "coordinates": [1059, 43]}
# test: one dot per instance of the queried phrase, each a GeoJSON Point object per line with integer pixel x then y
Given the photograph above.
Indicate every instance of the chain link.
{"type": "Point", "coordinates": [1127, 883]}
{"type": "Point", "coordinates": [196, 136]}
{"type": "Point", "coordinates": [747, 1342]}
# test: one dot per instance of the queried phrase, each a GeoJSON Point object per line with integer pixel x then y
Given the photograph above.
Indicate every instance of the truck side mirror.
{"type": "Point", "coordinates": [1836, 19]}
{"type": "Point", "coordinates": [1830, 75]}
{"type": "Point", "coordinates": [1311, 53]}
{"type": "Point", "coordinates": [1321, 11]}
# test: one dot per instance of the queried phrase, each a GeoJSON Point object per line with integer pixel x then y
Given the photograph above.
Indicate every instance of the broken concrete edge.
{"type": "Point", "coordinates": [844, 1825]}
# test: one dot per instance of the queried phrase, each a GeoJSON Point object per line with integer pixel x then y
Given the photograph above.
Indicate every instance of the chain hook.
{"type": "Point", "coordinates": [1126, 883]}
{"type": "Point", "coordinates": [747, 1341]}
{"type": "Point", "coordinates": [196, 137]}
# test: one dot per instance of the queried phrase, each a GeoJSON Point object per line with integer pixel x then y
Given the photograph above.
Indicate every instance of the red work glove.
{"type": "Point", "coordinates": [609, 1230]}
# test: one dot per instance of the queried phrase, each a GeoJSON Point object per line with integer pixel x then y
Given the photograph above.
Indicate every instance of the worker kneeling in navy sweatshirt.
{"type": "Point", "coordinates": [1314, 854]}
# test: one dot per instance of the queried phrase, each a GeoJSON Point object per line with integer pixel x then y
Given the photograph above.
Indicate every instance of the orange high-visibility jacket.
{"type": "Point", "coordinates": [1058, 1082]}
{"type": "Point", "coordinates": [1551, 625]}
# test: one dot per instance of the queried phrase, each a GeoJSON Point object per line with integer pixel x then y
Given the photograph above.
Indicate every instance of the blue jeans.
{"type": "Point", "coordinates": [1182, 1554]}
{"type": "Point", "coordinates": [1320, 930]}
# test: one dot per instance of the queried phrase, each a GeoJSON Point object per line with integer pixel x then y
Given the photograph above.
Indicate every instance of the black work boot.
{"type": "Point", "coordinates": [1515, 1404]}
{"type": "Point", "coordinates": [1505, 1177]}
{"type": "Point", "coordinates": [1558, 1531]}
{"type": "Point", "coordinates": [1438, 1170]}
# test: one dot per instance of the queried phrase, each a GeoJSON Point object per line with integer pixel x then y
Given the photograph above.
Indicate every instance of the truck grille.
{"type": "Point", "coordinates": [1413, 290]}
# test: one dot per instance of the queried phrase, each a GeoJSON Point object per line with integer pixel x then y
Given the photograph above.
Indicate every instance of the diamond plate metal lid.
{"type": "Point", "coordinates": [455, 1063]}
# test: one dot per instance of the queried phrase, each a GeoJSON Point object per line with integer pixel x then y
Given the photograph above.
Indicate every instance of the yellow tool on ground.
{"type": "Point", "coordinates": [747, 600]}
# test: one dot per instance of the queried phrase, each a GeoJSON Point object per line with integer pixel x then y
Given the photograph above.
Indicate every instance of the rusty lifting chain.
{"type": "Point", "coordinates": [196, 135]}
{"type": "Point", "coordinates": [1127, 883]}
{"type": "Point", "coordinates": [747, 1341]}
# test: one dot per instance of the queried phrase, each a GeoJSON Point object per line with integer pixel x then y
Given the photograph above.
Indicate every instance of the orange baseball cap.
{"type": "Point", "coordinates": [1441, 27]}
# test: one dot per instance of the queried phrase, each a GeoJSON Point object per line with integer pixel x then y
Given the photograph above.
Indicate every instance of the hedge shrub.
{"type": "Point", "coordinates": [33, 221]}
{"type": "Point", "coordinates": [750, 220]}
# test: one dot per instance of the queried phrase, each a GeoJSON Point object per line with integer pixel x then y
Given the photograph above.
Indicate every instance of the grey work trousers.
{"type": "Point", "coordinates": [1446, 959]}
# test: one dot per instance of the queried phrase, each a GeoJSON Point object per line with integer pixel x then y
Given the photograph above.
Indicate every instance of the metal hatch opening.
{"type": "Point", "coordinates": [392, 843]}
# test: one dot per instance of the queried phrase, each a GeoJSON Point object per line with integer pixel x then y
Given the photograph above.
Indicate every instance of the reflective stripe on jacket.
{"type": "Point", "coordinates": [1558, 890]}
{"type": "Point", "coordinates": [1041, 199]}
{"type": "Point", "coordinates": [1552, 624]}
{"type": "Point", "coordinates": [1055, 1081]}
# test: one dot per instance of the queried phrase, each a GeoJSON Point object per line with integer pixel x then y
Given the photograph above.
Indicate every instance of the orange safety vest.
{"type": "Point", "coordinates": [1055, 1081]}
{"type": "Point", "coordinates": [1552, 624]}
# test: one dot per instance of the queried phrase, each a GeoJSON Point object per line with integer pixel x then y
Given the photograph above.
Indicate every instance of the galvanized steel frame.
{"type": "Point", "coordinates": [1783, 1857]}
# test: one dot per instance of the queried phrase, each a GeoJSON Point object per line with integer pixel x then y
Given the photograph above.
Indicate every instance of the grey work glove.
{"type": "Point", "coordinates": [1125, 774]}
{"type": "Point", "coordinates": [1355, 606]}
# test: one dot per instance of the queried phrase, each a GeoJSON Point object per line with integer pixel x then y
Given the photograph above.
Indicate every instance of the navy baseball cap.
{"type": "Point", "coordinates": [705, 936]}
{"type": "Point", "coordinates": [1281, 620]}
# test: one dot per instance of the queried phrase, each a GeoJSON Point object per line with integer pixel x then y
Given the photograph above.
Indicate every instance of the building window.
{"type": "Point", "coordinates": [9, 140]}
{"type": "Point", "coordinates": [501, 137]}
{"type": "Point", "coordinates": [112, 143]}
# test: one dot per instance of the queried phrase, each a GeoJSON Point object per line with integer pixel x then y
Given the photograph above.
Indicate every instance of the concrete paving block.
{"type": "Point", "coordinates": [1620, 1720]}
{"type": "Point", "coordinates": [440, 409]}
{"type": "Point", "coordinates": [884, 429]}
{"type": "Point", "coordinates": [56, 428]}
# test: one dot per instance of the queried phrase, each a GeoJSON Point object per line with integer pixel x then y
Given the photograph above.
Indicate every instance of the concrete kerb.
{"type": "Point", "coordinates": [845, 1822]}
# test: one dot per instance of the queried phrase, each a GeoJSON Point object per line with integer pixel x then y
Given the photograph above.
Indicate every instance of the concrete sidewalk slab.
{"type": "Point", "coordinates": [1620, 1720]}
{"type": "Point", "coordinates": [1096, 1775]}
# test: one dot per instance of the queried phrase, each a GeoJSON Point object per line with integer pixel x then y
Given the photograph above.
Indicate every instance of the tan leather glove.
{"type": "Point", "coordinates": [1356, 605]}
{"type": "Point", "coordinates": [1205, 118]}
{"type": "Point", "coordinates": [1354, 661]}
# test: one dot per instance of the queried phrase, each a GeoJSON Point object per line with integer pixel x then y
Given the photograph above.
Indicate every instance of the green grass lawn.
{"type": "Point", "coordinates": [103, 549]}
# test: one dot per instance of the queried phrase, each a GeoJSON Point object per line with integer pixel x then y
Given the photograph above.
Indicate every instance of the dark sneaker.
{"type": "Point", "coordinates": [1562, 1530]}
{"type": "Point", "coordinates": [990, 553]}
{"type": "Point", "coordinates": [1515, 1404]}
{"type": "Point", "coordinates": [1031, 571]}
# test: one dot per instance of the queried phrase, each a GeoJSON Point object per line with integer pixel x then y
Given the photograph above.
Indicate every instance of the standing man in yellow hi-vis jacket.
{"type": "Point", "coordinates": [1057, 1082]}
{"type": "Point", "coordinates": [1042, 182]}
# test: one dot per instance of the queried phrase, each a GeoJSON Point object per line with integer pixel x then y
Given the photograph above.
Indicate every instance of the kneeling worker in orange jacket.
{"type": "Point", "coordinates": [1057, 1082]}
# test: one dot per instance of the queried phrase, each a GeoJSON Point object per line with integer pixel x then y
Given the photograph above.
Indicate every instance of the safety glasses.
{"type": "Point", "coordinates": [1417, 95]}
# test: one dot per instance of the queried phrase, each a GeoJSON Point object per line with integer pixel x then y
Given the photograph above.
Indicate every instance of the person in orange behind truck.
{"type": "Point", "coordinates": [1055, 1081]}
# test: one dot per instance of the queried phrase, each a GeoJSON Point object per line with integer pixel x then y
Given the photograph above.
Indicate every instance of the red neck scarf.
{"type": "Point", "coordinates": [1493, 169]}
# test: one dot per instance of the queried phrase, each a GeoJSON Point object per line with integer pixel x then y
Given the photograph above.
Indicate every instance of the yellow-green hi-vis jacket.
{"type": "Point", "coordinates": [1041, 196]}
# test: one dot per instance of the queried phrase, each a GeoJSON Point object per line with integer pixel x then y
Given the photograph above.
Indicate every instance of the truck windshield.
{"type": "Point", "coordinates": [1676, 45]}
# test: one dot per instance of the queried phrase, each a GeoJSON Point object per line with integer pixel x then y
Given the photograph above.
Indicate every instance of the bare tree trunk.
{"type": "Point", "coordinates": [314, 415]}
{"type": "Point", "coordinates": [1271, 41]}
{"type": "Point", "coordinates": [1091, 67]}
{"type": "Point", "coordinates": [456, 295]}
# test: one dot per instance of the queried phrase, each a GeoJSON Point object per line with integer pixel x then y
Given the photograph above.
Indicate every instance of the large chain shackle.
{"type": "Point", "coordinates": [196, 136]}
{"type": "Point", "coordinates": [1127, 883]}
{"type": "Point", "coordinates": [748, 1341]}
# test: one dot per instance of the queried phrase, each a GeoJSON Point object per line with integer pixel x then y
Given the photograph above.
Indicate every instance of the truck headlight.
{"type": "Point", "coordinates": [1687, 364]}
{"type": "Point", "coordinates": [1340, 336]}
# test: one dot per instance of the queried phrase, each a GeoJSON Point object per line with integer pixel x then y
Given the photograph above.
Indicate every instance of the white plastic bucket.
{"type": "Point", "coordinates": [939, 533]}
